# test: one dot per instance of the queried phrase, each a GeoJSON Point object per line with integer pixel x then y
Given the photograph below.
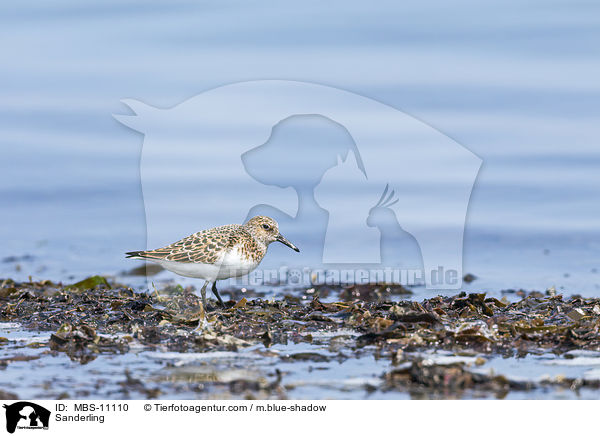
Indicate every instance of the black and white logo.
{"type": "Point", "coordinates": [26, 415]}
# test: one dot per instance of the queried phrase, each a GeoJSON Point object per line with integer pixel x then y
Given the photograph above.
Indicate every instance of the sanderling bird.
{"type": "Point", "coordinates": [219, 253]}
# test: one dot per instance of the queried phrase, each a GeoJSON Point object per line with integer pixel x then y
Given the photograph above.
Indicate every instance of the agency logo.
{"type": "Point", "coordinates": [357, 184]}
{"type": "Point", "coordinates": [24, 415]}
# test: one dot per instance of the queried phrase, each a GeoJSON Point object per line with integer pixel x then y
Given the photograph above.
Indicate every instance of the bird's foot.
{"type": "Point", "coordinates": [203, 326]}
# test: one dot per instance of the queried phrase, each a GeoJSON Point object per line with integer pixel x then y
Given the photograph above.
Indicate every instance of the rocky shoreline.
{"type": "Point", "coordinates": [95, 318]}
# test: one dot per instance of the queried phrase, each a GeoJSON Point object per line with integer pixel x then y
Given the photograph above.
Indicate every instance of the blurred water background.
{"type": "Point", "coordinates": [517, 83]}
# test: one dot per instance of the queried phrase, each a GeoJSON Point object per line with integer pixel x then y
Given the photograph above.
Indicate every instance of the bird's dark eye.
{"type": "Point", "coordinates": [266, 226]}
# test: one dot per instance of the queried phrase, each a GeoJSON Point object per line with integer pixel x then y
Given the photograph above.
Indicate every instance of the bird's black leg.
{"type": "Point", "coordinates": [202, 321]}
{"type": "Point", "coordinates": [214, 289]}
{"type": "Point", "coordinates": [203, 292]}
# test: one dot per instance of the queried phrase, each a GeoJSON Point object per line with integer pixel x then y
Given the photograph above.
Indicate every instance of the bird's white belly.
{"type": "Point", "coordinates": [231, 264]}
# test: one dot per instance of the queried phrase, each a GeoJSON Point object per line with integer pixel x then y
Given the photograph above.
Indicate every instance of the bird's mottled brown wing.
{"type": "Point", "coordinates": [202, 247]}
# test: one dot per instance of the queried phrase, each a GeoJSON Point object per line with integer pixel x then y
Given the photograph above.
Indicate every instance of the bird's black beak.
{"type": "Point", "coordinates": [286, 242]}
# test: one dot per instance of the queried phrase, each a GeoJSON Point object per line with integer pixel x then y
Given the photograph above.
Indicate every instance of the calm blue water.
{"type": "Point", "coordinates": [516, 83]}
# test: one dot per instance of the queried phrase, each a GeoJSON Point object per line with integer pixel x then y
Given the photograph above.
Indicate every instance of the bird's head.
{"type": "Point", "coordinates": [266, 230]}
